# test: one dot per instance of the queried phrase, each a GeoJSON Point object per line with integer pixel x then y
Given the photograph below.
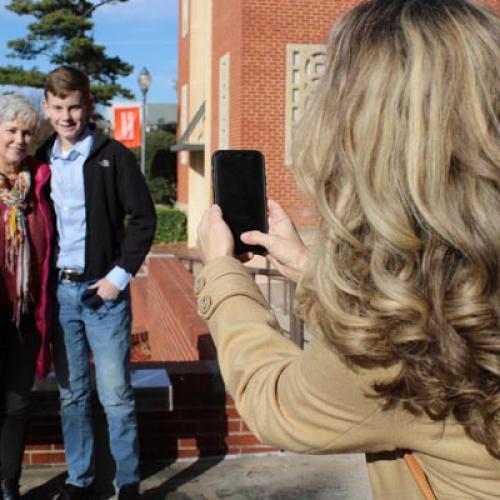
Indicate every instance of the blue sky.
{"type": "Point", "coordinates": [141, 32]}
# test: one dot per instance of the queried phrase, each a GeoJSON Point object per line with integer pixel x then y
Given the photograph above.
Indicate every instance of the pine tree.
{"type": "Point", "coordinates": [62, 31]}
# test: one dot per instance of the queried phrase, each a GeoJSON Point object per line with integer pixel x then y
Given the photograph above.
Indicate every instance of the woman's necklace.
{"type": "Point", "coordinates": [11, 174]}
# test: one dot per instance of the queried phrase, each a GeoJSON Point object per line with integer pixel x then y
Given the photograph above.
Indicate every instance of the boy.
{"type": "Point", "coordinates": [95, 182]}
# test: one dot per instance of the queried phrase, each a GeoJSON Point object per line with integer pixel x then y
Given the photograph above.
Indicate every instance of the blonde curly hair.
{"type": "Point", "coordinates": [400, 150]}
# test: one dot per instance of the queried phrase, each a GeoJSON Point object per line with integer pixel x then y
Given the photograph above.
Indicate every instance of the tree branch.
{"type": "Point", "coordinates": [91, 10]}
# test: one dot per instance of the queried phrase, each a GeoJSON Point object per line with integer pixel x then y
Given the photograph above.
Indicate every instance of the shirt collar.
{"type": "Point", "coordinates": [81, 148]}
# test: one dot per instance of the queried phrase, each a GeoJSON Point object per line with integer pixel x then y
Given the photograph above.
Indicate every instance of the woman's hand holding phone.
{"type": "Point", "coordinates": [214, 236]}
{"type": "Point", "coordinates": [285, 248]}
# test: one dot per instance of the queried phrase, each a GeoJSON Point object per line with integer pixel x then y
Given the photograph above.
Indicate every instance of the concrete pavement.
{"type": "Point", "coordinates": [283, 476]}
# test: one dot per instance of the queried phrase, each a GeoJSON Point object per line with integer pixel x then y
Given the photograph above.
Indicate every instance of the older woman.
{"type": "Point", "coordinates": [400, 150]}
{"type": "Point", "coordinates": [25, 237]}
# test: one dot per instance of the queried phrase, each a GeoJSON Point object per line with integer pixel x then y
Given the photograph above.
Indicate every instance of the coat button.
{"type": "Point", "coordinates": [199, 283]}
{"type": "Point", "coordinates": [205, 304]}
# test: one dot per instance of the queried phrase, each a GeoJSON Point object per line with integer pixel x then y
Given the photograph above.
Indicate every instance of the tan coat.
{"type": "Point", "coordinates": [311, 402]}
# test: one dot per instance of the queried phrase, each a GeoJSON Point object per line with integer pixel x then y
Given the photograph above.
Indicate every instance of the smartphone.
{"type": "Point", "coordinates": [239, 183]}
{"type": "Point", "coordinates": [91, 299]}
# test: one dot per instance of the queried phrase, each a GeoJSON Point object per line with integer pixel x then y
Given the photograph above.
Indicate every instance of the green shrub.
{"type": "Point", "coordinates": [160, 161]}
{"type": "Point", "coordinates": [171, 225]}
{"type": "Point", "coordinates": [162, 191]}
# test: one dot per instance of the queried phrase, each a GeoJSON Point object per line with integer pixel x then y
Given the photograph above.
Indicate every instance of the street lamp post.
{"type": "Point", "coordinates": [144, 81]}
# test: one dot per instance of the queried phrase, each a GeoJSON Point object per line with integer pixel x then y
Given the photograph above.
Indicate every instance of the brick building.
{"type": "Point", "coordinates": [248, 66]}
{"type": "Point", "coordinates": [245, 70]}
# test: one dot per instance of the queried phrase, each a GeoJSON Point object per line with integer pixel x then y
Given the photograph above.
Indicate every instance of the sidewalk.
{"type": "Point", "coordinates": [283, 476]}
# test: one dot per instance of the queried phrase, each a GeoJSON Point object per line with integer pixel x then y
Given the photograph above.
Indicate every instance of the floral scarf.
{"type": "Point", "coordinates": [17, 248]}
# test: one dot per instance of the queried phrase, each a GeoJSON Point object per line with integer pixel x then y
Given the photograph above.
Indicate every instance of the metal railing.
{"type": "Point", "coordinates": [278, 290]}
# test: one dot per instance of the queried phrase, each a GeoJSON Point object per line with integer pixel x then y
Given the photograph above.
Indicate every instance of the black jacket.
{"type": "Point", "coordinates": [114, 188]}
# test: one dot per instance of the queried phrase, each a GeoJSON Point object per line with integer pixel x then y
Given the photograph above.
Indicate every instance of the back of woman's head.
{"type": "Point", "coordinates": [400, 149]}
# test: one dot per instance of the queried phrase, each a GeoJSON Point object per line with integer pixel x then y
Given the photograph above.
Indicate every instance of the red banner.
{"type": "Point", "coordinates": [128, 126]}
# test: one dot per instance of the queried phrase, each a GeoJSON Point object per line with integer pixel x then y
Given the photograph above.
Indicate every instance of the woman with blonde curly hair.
{"type": "Point", "coordinates": [400, 151]}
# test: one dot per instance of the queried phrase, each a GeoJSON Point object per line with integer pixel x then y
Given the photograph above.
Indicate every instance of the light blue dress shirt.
{"type": "Point", "coordinates": [68, 196]}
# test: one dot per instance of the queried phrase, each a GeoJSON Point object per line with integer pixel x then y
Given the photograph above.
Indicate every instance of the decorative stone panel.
{"type": "Point", "coordinates": [304, 67]}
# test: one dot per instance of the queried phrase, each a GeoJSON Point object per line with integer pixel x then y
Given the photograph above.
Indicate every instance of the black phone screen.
{"type": "Point", "coordinates": [240, 190]}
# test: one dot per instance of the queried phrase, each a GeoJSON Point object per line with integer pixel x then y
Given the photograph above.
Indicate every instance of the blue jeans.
{"type": "Point", "coordinates": [106, 332]}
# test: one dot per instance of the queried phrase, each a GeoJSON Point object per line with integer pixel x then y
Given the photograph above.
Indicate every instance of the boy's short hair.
{"type": "Point", "coordinates": [65, 79]}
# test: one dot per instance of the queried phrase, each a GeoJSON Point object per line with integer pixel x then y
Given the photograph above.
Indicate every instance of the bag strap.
{"type": "Point", "coordinates": [419, 475]}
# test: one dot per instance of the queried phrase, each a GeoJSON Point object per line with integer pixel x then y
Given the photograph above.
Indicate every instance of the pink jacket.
{"type": "Point", "coordinates": [43, 309]}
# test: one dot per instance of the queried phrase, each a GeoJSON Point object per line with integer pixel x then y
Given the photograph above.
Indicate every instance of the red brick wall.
{"type": "Point", "coordinates": [269, 25]}
{"type": "Point", "coordinates": [204, 421]}
{"type": "Point", "coordinates": [182, 79]}
{"type": "Point", "coordinates": [493, 4]}
{"type": "Point", "coordinates": [226, 37]}
{"type": "Point", "coordinates": [44, 454]}
{"type": "Point", "coordinates": [256, 33]}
